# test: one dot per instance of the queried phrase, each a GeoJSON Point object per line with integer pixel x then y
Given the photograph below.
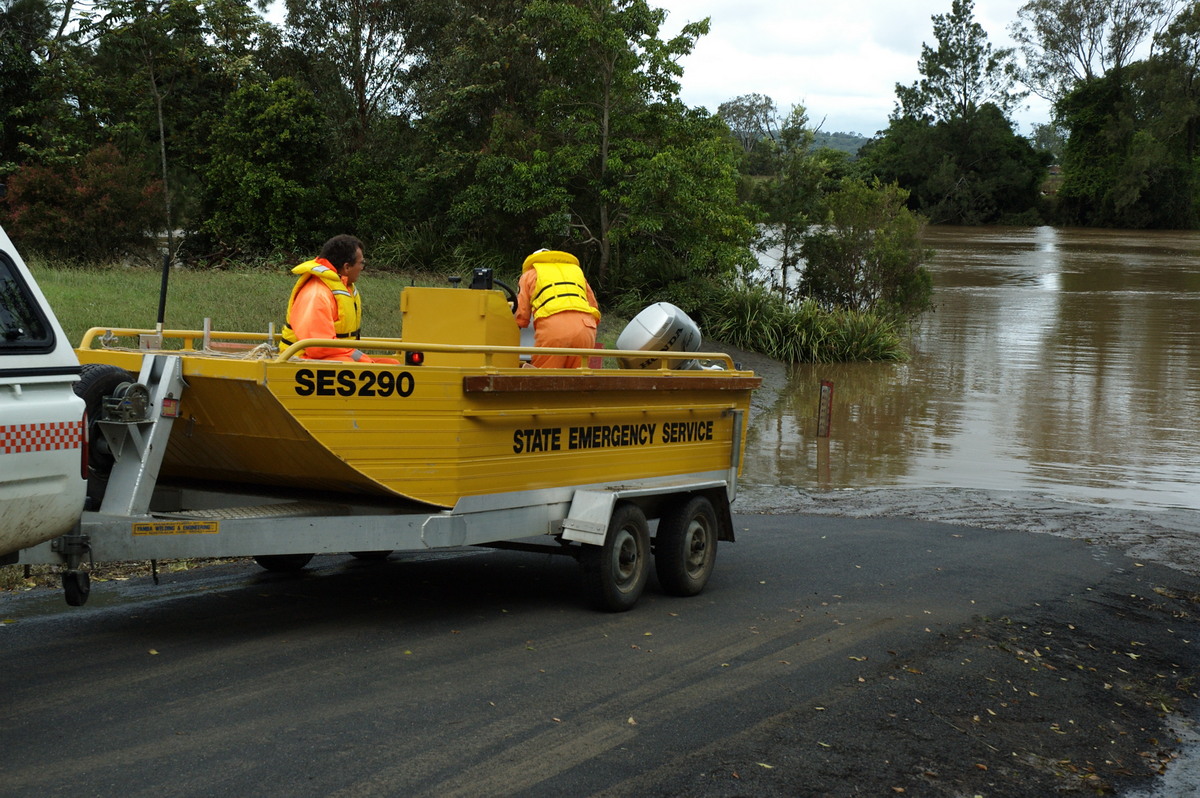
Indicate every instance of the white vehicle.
{"type": "Point", "coordinates": [43, 429]}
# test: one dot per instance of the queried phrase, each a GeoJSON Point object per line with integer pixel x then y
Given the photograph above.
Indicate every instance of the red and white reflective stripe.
{"type": "Point", "coordinates": [19, 438]}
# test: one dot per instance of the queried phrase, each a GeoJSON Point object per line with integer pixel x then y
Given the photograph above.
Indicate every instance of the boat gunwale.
{"type": "Point", "coordinates": [291, 353]}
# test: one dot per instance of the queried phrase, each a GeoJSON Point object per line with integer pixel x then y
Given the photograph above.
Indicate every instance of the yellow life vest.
{"type": "Point", "coordinates": [348, 323]}
{"type": "Point", "coordinates": [560, 284]}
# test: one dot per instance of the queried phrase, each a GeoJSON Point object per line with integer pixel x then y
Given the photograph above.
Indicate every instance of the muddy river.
{"type": "Point", "coordinates": [1061, 363]}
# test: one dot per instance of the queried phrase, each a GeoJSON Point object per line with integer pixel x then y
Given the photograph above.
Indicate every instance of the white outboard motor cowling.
{"type": "Point", "coordinates": [662, 327]}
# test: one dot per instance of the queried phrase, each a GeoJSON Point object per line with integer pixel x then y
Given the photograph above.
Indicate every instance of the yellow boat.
{"type": "Point", "coordinates": [461, 416]}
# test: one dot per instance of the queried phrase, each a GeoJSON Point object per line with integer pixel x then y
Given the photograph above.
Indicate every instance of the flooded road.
{"type": "Point", "coordinates": [1058, 361]}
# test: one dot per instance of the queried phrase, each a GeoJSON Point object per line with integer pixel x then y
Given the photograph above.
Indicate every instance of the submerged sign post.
{"type": "Point", "coordinates": [825, 409]}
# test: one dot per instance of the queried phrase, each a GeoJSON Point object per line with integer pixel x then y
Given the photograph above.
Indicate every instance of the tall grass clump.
{"type": "Point", "coordinates": [755, 318]}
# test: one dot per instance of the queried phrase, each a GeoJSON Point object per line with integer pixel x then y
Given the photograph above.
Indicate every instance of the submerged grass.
{"type": "Point", "coordinates": [754, 318]}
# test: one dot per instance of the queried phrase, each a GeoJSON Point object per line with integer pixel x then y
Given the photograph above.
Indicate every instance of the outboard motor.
{"type": "Point", "coordinates": [662, 327]}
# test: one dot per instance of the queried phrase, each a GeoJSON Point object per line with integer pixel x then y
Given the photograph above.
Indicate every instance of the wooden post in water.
{"type": "Point", "coordinates": [825, 409]}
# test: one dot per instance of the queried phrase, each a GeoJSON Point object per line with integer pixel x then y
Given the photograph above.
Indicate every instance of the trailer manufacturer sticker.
{"type": "Point", "coordinates": [346, 382]}
{"type": "Point", "coordinates": [21, 438]}
{"type": "Point", "coordinates": [177, 528]}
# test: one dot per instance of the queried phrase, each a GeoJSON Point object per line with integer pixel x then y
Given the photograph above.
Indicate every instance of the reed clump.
{"type": "Point", "coordinates": [755, 318]}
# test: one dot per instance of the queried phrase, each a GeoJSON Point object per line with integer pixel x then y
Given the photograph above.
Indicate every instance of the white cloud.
{"type": "Point", "coordinates": [842, 59]}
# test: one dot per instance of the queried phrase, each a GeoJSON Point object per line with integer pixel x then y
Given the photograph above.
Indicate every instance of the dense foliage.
{"type": "Point", "coordinates": [451, 134]}
{"type": "Point", "coordinates": [1123, 133]}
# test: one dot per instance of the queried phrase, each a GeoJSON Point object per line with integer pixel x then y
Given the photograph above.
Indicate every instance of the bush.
{"type": "Point", "coordinates": [755, 318]}
{"type": "Point", "coordinates": [868, 255]}
{"type": "Point", "coordinates": [100, 209]}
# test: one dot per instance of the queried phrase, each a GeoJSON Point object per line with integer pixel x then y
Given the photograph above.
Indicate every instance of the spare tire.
{"type": "Point", "coordinates": [96, 382]}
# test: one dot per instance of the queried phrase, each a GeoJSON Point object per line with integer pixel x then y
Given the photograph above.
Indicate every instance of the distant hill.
{"type": "Point", "coordinates": [846, 142]}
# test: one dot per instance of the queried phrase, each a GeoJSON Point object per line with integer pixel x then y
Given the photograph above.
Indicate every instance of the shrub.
{"type": "Point", "coordinates": [99, 208]}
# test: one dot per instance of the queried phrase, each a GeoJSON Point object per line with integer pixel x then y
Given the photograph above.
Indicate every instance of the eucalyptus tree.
{"type": "Point", "coordinates": [611, 81]}
{"type": "Point", "coordinates": [1069, 42]}
{"type": "Point", "coordinates": [754, 120]}
{"type": "Point", "coordinates": [1130, 158]}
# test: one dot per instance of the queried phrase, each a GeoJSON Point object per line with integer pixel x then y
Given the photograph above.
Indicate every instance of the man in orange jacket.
{"type": "Point", "coordinates": [325, 302]}
{"type": "Point", "coordinates": [555, 297]}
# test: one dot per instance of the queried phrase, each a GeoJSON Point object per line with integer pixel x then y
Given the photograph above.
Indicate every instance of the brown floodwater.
{"type": "Point", "coordinates": [1060, 361]}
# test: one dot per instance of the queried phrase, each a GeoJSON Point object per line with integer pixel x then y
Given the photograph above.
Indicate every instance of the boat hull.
{"type": "Point", "coordinates": [431, 435]}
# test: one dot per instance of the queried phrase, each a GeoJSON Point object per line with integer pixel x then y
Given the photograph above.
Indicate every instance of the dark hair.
{"type": "Point", "coordinates": [341, 250]}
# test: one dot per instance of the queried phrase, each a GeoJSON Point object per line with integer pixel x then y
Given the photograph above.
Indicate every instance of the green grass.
{"type": "Point", "coordinates": [246, 300]}
{"type": "Point", "coordinates": [238, 300]}
{"type": "Point", "coordinates": [249, 300]}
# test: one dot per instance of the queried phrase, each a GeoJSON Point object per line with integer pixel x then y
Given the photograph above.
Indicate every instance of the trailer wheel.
{"type": "Point", "coordinates": [283, 563]}
{"type": "Point", "coordinates": [97, 381]}
{"type": "Point", "coordinates": [685, 548]}
{"type": "Point", "coordinates": [77, 585]}
{"type": "Point", "coordinates": [615, 574]}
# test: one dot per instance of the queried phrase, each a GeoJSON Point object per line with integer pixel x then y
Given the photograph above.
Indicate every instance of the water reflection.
{"type": "Point", "coordinates": [1061, 361]}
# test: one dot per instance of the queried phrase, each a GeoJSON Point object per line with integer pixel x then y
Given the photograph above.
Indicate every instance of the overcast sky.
{"type": "Point", "coordinates": [841, 59]}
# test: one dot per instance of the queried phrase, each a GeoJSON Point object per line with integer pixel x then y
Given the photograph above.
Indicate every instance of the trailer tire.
{"type": "Point", "coordinates": [96, 382]}
{"type": "Point", "coordinates": [615, 573]}
{"type": "Point", "coordinates": [283, 563]}
{"type": "Point", "coordinates": [685, 547]}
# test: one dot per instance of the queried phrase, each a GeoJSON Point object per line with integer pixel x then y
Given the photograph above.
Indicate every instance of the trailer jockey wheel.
{"type": "Point", "coordinates": [615, 574]}
{"type": "Point", "coordinates": [685, 547]}
{"type": "Point", "coordinates": [76, 585]}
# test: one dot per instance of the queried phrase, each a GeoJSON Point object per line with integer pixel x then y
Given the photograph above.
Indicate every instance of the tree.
{"type": "Point", "coordinates": [867, 253]}
{"type": "Point", "coordinates": [359, 43]}
{"type": "Point", "coordinates": [24, 25]}
{"type": "Point", "coordinates": [755, 123]}
{"type": "Point", "coordinates": [265, 184]}
{"type": "Point", "coordinates": [788, 199]}
{"type": "Point", "coordinates": [950, 143]}
{"type": "Point", "coordinates": [608, 75]}
{"type": "Point", "coordinates": [1067, 42]}
{"type": "Point", "coordinates": [557, 123]}
{"type": "Point", "coordinates": [963, 74]}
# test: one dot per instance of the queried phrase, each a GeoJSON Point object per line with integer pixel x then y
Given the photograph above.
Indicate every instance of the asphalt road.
{"type": "Point", "coordinates": [828, 656]}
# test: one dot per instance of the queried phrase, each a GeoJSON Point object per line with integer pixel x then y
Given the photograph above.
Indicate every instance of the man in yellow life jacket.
{"type": "Point", "coordinates": [555, 297]}
{"type": "Point", "coordinates": [325, 302]}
